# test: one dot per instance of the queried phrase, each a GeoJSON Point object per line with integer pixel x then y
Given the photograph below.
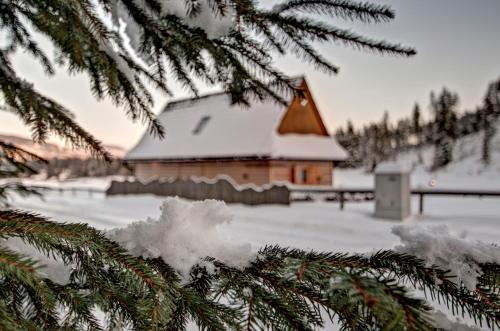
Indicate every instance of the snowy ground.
{"type": "Point", "coordinates": [309, 225]}
{"type": "Point", "coordinates": [319, 225]}
{"type": "Point", "coordinates": [315, 225]}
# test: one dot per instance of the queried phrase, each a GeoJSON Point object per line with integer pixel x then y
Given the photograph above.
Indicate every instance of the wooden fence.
{"type": "Point", "coordinates": [478, 193]}
{"type": "Point", "coordinates": [345, 194]}
{"type": "Point", "coordinates": [221, 189]}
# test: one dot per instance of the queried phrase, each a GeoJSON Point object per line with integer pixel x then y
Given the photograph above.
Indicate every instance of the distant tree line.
{"type": "Point", "coordinates": [75, 168]}
{"type": "Point", "coordinates": [377, 142]}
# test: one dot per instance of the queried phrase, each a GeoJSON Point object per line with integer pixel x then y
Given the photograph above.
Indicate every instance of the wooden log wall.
{"type": "Point", "coordinates": [221, 189]}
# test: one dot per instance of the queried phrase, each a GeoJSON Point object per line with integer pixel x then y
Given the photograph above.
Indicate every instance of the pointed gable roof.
{"type": "Point", "coordinates": [302, 115]}
{"type": "Point", "coordinates": [209, 127]}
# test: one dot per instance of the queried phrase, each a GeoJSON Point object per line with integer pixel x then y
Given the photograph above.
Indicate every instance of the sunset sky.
{"type": "Point", "coordinates": [458, 46]}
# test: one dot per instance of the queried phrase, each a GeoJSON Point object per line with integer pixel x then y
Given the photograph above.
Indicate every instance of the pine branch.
{"type": "Point", "coordinates": [45, 116]}
{"type": "Point", "coordinates": [299, 28]}
{"type": "Point", "coordinates": [173, 47]}
{"type": "Point", "coordinates": [79, 306]}
{"type": "Point", "coordinates": [363, 11]}
{"type": "Point", "coordinates": [404, 267]}
{"type": "Point", "coordinates": [14, 162]}
{"type": "Point", "coordinates": [281, 289]}
{"type": "Point", "coordinates": [22, 271]}
{"type": "Point", "coordinates": [109, 277]}
{"type": "Point", "coordinates": [437, 282]}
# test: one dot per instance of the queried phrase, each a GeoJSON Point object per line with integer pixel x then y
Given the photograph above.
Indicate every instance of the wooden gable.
{"type": "Point", "coordinates": [303, 116]}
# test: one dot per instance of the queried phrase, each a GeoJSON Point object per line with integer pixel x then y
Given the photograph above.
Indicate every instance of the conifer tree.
{"type": "Point", "coordinates": [488, 116]}
{"type": "Point", "coordinates": [373, 147]}
{"type": "Point", "coordinates": [384, 132]}
{"type": "Point", "coordinates": [342, 139]}
{"type": "Point", "coordinates": [445, 130]}
{"type": "Point", "coordinates": [469, 122]}
{"type": "Point", "coordinates": [365, 148]}
{"type": "Point", "coordinates": [281, 289]}
{"type": "Point", "coordinates": [378, 142]}
{"type": "Point", "coordinates": [402, 133]}
{"type": "Point", "coordinates": [416, 124]}
{"type": "Point", "coordinates": [353, 136]}
{"type": "Point", "coordinates": [350, 140]}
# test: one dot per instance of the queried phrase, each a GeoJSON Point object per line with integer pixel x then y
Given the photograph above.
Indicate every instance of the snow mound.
{"type": "Point", "coordinates": [184, 235]}
{"type": "Point", "coordinates": [440, 246]}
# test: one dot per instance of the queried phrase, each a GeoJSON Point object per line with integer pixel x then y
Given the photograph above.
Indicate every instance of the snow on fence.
{"type": "Point", "coordinates": [219, 189]}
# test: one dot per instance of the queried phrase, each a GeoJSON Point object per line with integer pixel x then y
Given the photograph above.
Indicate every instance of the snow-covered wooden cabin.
{"type": "Point", "coordinates": [263, 143]}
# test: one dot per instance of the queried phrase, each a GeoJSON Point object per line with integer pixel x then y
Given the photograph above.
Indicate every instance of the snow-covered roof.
{"type": "Point", "coordinates": [391, 168]}
{"type": "Point", "coordinates": [210, 127]}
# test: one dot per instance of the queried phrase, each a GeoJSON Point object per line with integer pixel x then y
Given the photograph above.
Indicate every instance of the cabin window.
{"type": "Point", "coordinates": [201, 124]}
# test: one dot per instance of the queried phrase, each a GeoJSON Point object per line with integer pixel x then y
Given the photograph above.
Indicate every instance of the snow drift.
{"type": "Point", "coordinates": [440, 246]}
{"type": "Point", "coordinates": [184, 234]}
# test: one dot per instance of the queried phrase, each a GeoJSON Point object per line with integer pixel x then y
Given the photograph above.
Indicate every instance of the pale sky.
{"type": "Point", "coordinates": [458, 46]}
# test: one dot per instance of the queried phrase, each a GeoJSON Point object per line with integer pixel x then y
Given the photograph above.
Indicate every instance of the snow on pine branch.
{"type": "Point", "coordinates": [183, 236]}
{"type": "Point", "coordinates": [439, 245]}
{"type": "Point", "coordinates": [120, 21]}
{"type": "Point", "coordinates": [185, 233]}
{"type": "Point", "coordinates": [189, 231]}
{"type": "Point", "coordinates": [215, 25]}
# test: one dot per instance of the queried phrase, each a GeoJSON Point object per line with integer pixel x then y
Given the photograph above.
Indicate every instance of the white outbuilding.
{"type": "Point", "coordinates": [392, 192]}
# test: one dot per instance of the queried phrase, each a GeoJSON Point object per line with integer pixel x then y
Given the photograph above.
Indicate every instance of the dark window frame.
{"type": "Point", "coordinates": [202, 123]}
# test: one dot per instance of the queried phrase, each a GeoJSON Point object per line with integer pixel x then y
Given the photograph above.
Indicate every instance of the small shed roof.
{"type": "Point", "coordinates": [391, 168]}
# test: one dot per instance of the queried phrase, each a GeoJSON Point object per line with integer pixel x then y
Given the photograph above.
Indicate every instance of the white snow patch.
{"type": "Point", "coordinates": [247, 292]}
{"type": "Point", "coordinates": [51, 267]}
{"type": "Point", "coordinates": [184, 235]}
{"type": "Point", "coordinates": [441, 321]}
{"type": "Point", "coordinates": [440, 246]}
{"type": "Point", "coordinates": [113, 51]}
